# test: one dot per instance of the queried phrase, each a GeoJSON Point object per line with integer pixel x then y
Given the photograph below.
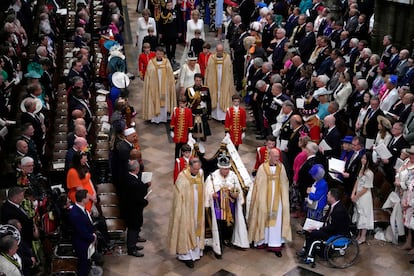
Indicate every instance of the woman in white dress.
{"type": "Point", "coordinates": [195, 23]}
{"type": "Point", "coordinates": [144, 23]}
{"type": "Point", "coordinates": [343, 91]}
{"type": "Point", "coordinates": [362, 198]}
{"type": "Point", "coordinates": [187, 72]}
{"type": "Point", "coordinates": [403, 182]}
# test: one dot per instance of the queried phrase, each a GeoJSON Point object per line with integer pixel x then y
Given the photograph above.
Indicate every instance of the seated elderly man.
{"type": "Point", "coordinates": [337, 222]}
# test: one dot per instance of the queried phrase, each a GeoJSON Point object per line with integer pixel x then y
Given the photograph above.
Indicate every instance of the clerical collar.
{"type": "Point", "coordinates": [193, 175]}
{"type": "Point", "coordinates": [159, 59]}
{"type": "Point", "coordinates": [236, 108]}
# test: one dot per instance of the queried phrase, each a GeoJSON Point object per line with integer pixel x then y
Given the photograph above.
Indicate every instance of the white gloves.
{"type": "Point", "coordinates": [227, 135]}
{"type": "Point", "coordinates": [190, 136]}
{"type": "Point", "coordinates": [243, 135]}
{"type": "Point", "coordinates": [172, 134]}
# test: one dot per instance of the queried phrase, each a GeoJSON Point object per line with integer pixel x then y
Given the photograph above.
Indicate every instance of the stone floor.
{"type": "Point", "coordinates": [376, 258]}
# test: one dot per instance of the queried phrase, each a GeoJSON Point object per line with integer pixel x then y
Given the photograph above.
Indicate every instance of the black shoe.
{"type": "Point", "coordinates": [141, 239]}
{"type": "Point", "coordinates": [301, 253]}
{"type": "Point", "coordinates": [278, 254]}
{"type": "Point", "coordinates": [135, 253]}
{"type": "Point", "coordinates": [227, 243]}
{"type": "Point", "coordinates": [189, 263]}
{"type": "Point", "coordinates": [217, 256]}
{"type": "Point", "coordinates": [412, 262]}
{"type": "Point", "coordinates": [137, 247]}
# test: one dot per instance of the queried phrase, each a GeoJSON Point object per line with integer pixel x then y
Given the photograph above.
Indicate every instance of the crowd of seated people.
{"type": "Point", "coordinates": [51, 115]}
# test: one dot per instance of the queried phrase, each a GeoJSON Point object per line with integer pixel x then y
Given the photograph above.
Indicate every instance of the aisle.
{"type": "Point", "coordinates": [158, 154]}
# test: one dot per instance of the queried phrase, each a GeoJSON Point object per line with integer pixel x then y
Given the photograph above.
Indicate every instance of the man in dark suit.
{"type": "Point", "coordinates": [307, 42]}
{"type": "Point", "coordinates": [370, 124]}
{"type": "Point", "coordinates": [402, 108]}
{"type": "Point", "coordinates": [78, 102]}
{"type": "Point", "coordinates": [267, 34]}
{"type": "Point", "coordinates": [356, 100]}
{"type": "Point", "coordinates": [293, 74]}
{"type": "Point", "coordinates": [272, 105]}
{"type": "Point", "coordinates": [34, 119]}
{"type": "Point", "coordinates": [279, 50]}
{"type": "Point", "coordinates": [408, 74]}
{"type": "Point", "coordinates": [332, 137]}
{"type": "Point", "coordinates": [12, 209]}
{"type": "Point", "coordinates": [336, 223]}
{"type": "Point", "coordinates": [293, 149]}
{"type": "Point", "coordinates": [304, 179]}
{"type": "Point", "coordinates": [352, 23]}
{"type": "Point", "coordinates": [353, 165]}
{"type": "Point", "coordinates": [135, 202]}
{"type": "Point", "coordinates": [238, 53]}
{"type": "Point", "coordinates": [396, 144]}
{"type": "Point", "coordinates": [292, 21]}
{"type": "Point", "coordinates": [170, 30]}
{"type": "Point", "coordinates": [299, 31]}
{"type": "Point", "coordinates": [83, 231]}
{"type": "Point", "coordinates": [119, 162]}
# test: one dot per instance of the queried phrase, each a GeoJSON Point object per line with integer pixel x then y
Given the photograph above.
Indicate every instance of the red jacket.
{"type": "Point", "coordinates": [235, 124]}
{"type": "Point", "coordinates": [262, 155]}
{"type": "Point", "coordinates": [143, 60]}
{"type": "Point", "coordinates": [180, 165]}
{"type": "Point", "coordinates": [202, 61]}
{"type": "Point", "coordinates": [181, 123]}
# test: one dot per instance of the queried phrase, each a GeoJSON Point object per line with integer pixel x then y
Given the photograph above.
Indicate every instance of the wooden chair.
{"type": "Point", "coordinates": [64, 262]}
{"type": "Point", "coordinates": [110, 212]}
{"type": "Point", "coordinates": [381, 218]}
{"type": "Point", "coordinates": [116, 229]}
{"type": "Point", "coordinates": [108, 200]}
{"type": "Point", "coordinates": [105, 188]}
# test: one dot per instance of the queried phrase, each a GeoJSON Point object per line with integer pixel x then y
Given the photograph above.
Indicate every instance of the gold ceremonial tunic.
{"type": "Point", "coordinates": [159, 89]}
{"type": "Point", "coordinates": [185, 225]}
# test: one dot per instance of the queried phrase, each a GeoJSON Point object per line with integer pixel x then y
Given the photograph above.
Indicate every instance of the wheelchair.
{"type": "Point", "coordinates": [339, 251]}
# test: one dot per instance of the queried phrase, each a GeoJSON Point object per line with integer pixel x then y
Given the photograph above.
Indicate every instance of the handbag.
{"type": "Point", "coordinates": [312, 204]}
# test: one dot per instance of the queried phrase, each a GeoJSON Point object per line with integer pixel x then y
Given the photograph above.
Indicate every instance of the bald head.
{"type": "Point", "coordinates": [274, 156]}
{"type": "Point", "coordinates": [295, 121]}
{"type": "Point", "coordinates": [329, 121]}
{"type": "Point", "coordinates": [80, 143]}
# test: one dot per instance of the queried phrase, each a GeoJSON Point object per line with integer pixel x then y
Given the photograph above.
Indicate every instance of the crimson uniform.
{"type": "Point", "coordinates": [181, 124]}
{"type": "Point", "coordinates": [180, 164]}
{"type": "Point", "coordinates": [235, 124]}
{"type": "Point", "coordinates": [262, 155]}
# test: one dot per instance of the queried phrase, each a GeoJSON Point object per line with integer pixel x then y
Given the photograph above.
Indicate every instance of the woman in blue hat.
{"type": "Point", "coordinates": [317, 194]}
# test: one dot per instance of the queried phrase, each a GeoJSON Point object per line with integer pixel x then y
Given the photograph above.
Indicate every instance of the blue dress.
{"type": "Point", "coordinates": [320, 195]}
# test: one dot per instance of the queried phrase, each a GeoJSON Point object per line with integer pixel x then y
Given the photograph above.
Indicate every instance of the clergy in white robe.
{"type": "Point", "coordinates": [159, 89]}
{"type": "Point", "coordinates": [186, 227]}
{"type": "Point", "coordinates": [219, 79]}
{"type": "Point", "coordinates": [269, 217]}
{"type": "Point", "coordinates": [224, 197]}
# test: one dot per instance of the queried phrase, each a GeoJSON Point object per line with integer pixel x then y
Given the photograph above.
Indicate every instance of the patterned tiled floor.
{"type": "Point", "coordinates": [375, 258]}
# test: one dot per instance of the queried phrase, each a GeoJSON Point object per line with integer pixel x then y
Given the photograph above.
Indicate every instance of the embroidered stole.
{"type": "Point", "coordinates": [197, 180]}
{"type": "Point", "coordinates": [276, 196]}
